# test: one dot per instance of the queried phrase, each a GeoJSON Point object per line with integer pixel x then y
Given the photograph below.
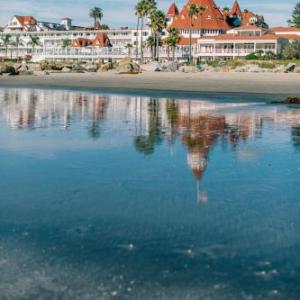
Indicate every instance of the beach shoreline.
{"type": "Point", "coordinates": [275, 85]}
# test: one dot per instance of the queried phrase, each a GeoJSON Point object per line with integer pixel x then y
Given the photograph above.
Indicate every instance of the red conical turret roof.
{"type": "Point", "coordinates": [236, 9]}
{"type": "Point", "coordinates": [210, 18]}
{"type": "Point", "coordinates": [173, 10]}
{"type": "Point", "coordinates": [97, 25]}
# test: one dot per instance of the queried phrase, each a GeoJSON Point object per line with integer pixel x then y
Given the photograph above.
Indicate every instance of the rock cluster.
{"type": "Point", "coordinates": [22, 69]}
{"type": "Point", "coordinates": [289, 100]}
{"type": "Point", "coordinates": [127, 66]}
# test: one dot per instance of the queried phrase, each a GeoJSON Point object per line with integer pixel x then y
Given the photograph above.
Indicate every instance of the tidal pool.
{"type": "Point", "coordinates": [108, 196]}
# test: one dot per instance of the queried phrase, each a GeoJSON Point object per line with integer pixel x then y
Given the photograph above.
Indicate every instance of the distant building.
{"type": "Point", "coordinates": [216, 33]}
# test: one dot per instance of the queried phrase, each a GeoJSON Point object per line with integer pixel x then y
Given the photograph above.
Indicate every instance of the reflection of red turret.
{"type": "Point", "coordinates": [199, 135]}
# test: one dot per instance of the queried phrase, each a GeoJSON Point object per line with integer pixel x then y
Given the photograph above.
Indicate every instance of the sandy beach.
{"type": "Point", "coordinates": [194, 83]}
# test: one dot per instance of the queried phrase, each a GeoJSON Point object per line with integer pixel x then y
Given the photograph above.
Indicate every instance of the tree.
{"type": "Point", "coordinates": [292, 51]}
{"type": "Point", "coordinates": [18, 42]}
{"type": "Point", "coordinates": [34, 41]}
{"type": "Point", "coordinates": [151, 43]}
{"type": "Point", "coordinates": [6, 42]}
{"type": "Point", "coordinates": [97, 14]}
{"type": "Point", "coordinates": [158, 22]}
{"type": "Point", "coordinates": [296, 16]}
{"type": "Point", "coordinates": [104, 27]}
{"type": "Point", "coordinates": [66, 43]}
{"type": "Point", "coordinates": [143, 9]}
{"type": "Point", "coordinates": [129, 47]}
{"type": "Point", "coordinates": [194, 11]}
{"type": "Point", "coordinates": [172, 40]}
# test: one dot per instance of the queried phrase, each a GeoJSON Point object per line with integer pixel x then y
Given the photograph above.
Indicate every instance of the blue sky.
{"type": "Point", "coordinates": [120, 12]}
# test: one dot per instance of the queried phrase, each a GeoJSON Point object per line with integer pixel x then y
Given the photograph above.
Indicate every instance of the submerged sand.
{"type": "Point", "coordinates": [250, 83]}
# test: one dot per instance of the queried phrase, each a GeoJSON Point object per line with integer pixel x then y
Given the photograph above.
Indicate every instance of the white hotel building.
{"type": "Point", "coordinates": [216, 33]}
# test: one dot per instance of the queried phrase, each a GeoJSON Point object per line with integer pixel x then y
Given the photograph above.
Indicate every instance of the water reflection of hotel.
{"type": "Point", "coordinates": [198, 125]}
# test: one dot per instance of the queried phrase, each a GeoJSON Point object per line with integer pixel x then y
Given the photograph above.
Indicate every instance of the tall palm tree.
{"type": "Point", "coordinates": [158, 22]}
{"type": "Point", "coordinates": [34, 41]}
{"type": "Point", "coordinates": [138, 9]}
{"type": "Point", "coordinates": [129, 47]}
{"type": "Point", "coordinates": [18, 43]}
{"type": "Point", "coordinates": [6, 42]}
{"type": "Point", "coordinates": [172, 40]}
{"type": "Point", "coordinates": [193, 12]}
{"type": "Point", "coordinates": [151, 43]}
{"type": "Point", "coordinates": [144, 8]}
{"type": "Point", "coordinates": [97, 14]}
{"type": "Point", "coordinates": [202, 9]}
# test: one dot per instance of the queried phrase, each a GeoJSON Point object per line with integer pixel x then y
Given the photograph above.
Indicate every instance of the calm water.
{"type": "Point", "coordinates": [105, 196]}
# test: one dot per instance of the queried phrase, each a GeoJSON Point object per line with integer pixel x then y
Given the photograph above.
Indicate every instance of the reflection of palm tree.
{"type": "Point", "coordinates": [146, 143]}
{"type": "Point", "coordinates": [32, 110]}
{"type": "Point", "coordinates": [98, 114]}
{"type": "Point", "coordinates": [172, 113]}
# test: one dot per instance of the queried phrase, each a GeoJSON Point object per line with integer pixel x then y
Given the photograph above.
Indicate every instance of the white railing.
{"type": "Point", "coordinates": [89, 53]}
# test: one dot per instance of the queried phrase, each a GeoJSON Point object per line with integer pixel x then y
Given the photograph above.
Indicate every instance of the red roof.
{"type": "Point", "coordinates": [97, 25]}
{"type": "Point", "coordinates": [230, 37]}
{"type": "Point", "coordinates": [186, 41]}
{"type": "Point", "coordinates": [211, 18]}
{"type": "Point", "coordinates": [26, 20]}
{"type": "Point", "coordinates": [249, 27]}
{"type": "Point", "coordinates": [246, 16]}
{"type": "Point", "coordinates": [285, 29]}
{"type": "Point", "coordinates": [81, 42]}
{"type": "Point", "coordinates": [101, 40]}
{"type": "Point", "coordinates": [236, 10]}
{"type": "Point", "coordinates": [290, 37]}
{"type": "Point", "coordinates": [173, 10]}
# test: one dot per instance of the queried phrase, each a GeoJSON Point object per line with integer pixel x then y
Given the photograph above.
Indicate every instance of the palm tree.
{"type": "Point", "coordinates": [66, 43]}
{"type": "Point", "coordinates": [172, 40]}
{"type": "Point", "coordinates": [143, 9]}
{"type": "Point", "coordinates": [193, 12]}
{"type": "Point", "coordinates": [129, 47]}
{"type": "Point", "coordinates": [34, 41]}
{"type": "Point", "coordinates": [202, 9]}
{"type": "Point", "coordinates": [151, 43]}
{"type": "Point", "coordinates": [18, 42]}
{"type": "Point", "coordinates": [158, 22]}
{"type": "Point", "coordinates": [97, 14]}
{"type": "Point", "coordinates": [6, 42]}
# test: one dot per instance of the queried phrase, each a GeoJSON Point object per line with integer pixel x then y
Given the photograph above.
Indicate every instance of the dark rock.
{"type": "Point", "coordinates": [290, 67]}
{"type": "Point", "coordinates": [292, 100]}
{"type": "Point", "coordinates": [90, 68]}
{"type": "Point", "coordinates": [288, 100]}
{"type": "Point", "coordinates": [129, 68]}
{"type": "Point", "coordinates": [8, 70]}
{"type": "Point", "coordinates": [77, 68]}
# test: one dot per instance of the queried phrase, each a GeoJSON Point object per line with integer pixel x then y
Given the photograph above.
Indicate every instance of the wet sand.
{"type": "Point", "coordinates": [248, 83]}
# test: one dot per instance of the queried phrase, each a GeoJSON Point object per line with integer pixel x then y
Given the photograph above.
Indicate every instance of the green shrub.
{"type": "Point", "coordinates": [213, 63]}
{"type": "Point", "coordinates": [266, 65]}
{"type": "Point", "coordinates": [292, 51]}
{"type": "Point", "coordinates": [251, 56]}
{"type": "Point", "coordinates": [234, 63]}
